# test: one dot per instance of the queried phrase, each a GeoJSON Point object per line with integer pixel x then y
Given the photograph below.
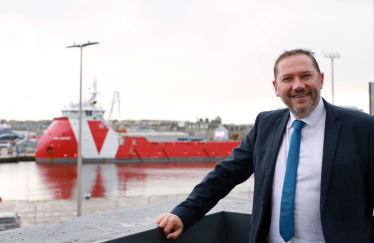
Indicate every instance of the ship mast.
{"type": "Point", "coordinates": [92, 100]}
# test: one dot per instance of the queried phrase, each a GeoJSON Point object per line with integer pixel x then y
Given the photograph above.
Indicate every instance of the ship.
{"type": "Point", "coordinates": [102, 144]}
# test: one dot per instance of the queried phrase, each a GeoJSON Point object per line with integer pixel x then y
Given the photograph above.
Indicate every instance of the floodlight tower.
{"type": "Point", "coordinates": [79, 162]}
{"type": "Point", "coordinates": [332, 56]}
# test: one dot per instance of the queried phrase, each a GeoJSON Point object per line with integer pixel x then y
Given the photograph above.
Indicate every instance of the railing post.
{"type": "Point", "coordinates": [34, 215]}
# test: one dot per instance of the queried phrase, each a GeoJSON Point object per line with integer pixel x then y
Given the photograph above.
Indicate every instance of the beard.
{"type": "Point", "coordinates": [315, 96]}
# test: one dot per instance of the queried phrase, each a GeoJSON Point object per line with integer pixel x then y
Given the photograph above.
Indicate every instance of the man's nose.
{"type": "Point", "coordinates": [298, 84]}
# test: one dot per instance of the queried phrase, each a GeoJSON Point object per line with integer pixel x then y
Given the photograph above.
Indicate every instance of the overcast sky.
{"type": "Point", "coordinates": [173, 59]}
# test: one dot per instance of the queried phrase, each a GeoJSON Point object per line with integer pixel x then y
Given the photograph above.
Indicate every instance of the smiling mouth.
{"type": "Point", "coordinates": [299, 96]}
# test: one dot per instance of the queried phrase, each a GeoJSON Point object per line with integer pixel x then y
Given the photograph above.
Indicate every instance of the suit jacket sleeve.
{"type": "Point", "coordinates": [237, 168]}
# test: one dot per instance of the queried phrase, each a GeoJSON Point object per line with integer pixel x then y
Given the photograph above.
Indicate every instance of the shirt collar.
{"type": "Point", "coordinates": [313, 117]}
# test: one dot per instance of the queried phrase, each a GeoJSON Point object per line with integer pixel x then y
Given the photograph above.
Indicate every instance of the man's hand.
{"type": "Point", "coordinates": [170, 222]}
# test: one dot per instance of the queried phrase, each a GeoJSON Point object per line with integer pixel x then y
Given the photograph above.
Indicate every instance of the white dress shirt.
{"type": "Point", "coordinates": [308, 184]}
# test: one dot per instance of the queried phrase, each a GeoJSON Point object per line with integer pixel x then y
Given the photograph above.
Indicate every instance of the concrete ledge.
{"type": "Point", "coordinates": [137, 224]}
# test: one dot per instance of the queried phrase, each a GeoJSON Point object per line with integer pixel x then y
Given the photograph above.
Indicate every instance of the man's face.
{"type": "Point", "coordinates": [298, 84]}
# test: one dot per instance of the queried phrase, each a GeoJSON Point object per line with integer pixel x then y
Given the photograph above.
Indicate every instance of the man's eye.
{"type": "Point", "coordinates": [307, 75]}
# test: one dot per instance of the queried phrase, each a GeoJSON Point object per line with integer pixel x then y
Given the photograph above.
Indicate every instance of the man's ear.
{"type": "Point", "coordinates": [322, 77]}
{"type": "Point", "coordinates": [275, 88]}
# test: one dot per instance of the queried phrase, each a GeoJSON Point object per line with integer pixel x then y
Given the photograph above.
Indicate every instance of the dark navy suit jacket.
{"type": "Point", "coordinates": [347, 180]}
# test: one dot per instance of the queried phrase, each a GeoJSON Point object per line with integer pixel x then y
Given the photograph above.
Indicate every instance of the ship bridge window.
{"type": "Point", "coordinates": [100, 113]}
{"type": "Point", "coordinates": [134, 141]}
{"type": "Point", "coordinates": [65, 113]}
{"type": "Point", "coordinates": [88, 113]}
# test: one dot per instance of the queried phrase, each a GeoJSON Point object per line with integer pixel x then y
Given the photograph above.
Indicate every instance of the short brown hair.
{"type": "Point", "coordinates": [286, 53]}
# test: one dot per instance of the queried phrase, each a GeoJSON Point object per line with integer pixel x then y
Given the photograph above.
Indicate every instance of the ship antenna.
{"type": "Point", "coordinates": [94, 93]}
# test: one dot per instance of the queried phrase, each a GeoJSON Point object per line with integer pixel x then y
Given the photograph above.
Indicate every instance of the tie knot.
{"type": "Point", "coordinates": [297, 125]}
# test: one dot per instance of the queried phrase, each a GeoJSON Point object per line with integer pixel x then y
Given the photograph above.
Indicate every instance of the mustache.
{"type": "Point", "coordinates": [301, 91]}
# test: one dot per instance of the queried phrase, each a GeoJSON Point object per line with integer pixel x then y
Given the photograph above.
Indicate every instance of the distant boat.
{"type": "Point", "coordinates": [5, 128]}
{"type": "Point", "coordinates": [101, 143]}
{"type": "Point", "coordinates": [7, 134]}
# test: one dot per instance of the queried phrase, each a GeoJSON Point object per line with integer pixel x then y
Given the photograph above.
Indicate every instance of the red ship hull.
{"type": "Point", "coordinates": [102, 144]}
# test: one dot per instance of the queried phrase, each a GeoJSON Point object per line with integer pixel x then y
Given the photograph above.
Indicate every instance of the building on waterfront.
{"type": "Point", "coordinates": [6, 150]}
{"type": "Point", "coordinates": [208, 129]}
{"type": "Point", "coordinates": [34, 127]}
{"type": "Point", "coordinates": [221, 133]}
{"type": "Point", "coordinates": [27, 146]}
{"type": "Point", "coordinates": [201, 129]}
{"type": "Point", "coordinates": [181, 130]}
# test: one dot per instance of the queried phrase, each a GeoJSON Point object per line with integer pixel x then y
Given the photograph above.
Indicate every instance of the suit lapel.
{"type": "Point", "coordinates": [276, 141]}
{"type": "Point", "coordinates": [332, 129]}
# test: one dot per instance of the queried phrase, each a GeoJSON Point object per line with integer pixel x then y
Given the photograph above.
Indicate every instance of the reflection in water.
{"type": "Point", "coordinates": [58, 181]}
{"type": "Point", "coordinates": [150, 179]}
{"type": "Point", "coordinates": [98, 190]}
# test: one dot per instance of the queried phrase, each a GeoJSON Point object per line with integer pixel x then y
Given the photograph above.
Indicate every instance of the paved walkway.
{"type": "Point", "coordinates": [39, 212]}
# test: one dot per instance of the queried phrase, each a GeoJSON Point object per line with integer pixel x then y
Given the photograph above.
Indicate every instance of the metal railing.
{"type": "Point", "coordinates": [35, 212]}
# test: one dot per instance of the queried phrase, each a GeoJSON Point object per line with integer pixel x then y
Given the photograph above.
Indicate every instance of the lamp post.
{"type": "Point", "coordinates": [79, 162]}
{"type": "Point", "coordinates": [332, 56]}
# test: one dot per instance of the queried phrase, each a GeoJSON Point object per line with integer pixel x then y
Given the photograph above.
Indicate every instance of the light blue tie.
{"type": "Point", "coordinates": [286, 220]}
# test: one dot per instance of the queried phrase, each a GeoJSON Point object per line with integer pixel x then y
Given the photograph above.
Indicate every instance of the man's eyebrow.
{"type": "Point", "coordinates": [290, 74]}
{"type": "Point", "coordinates": [286, 75]}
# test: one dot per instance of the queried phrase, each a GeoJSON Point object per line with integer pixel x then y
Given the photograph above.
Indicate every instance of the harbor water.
{"type": "Point", "coordinates": [30, 181]}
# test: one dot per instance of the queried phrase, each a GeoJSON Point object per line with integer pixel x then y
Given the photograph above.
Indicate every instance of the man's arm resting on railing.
{"type": "Point", "coordinates": [237, 168]}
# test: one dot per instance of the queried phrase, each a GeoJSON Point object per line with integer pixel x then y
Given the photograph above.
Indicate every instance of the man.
{"type": "Point", "coordinates": [313, 165]}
